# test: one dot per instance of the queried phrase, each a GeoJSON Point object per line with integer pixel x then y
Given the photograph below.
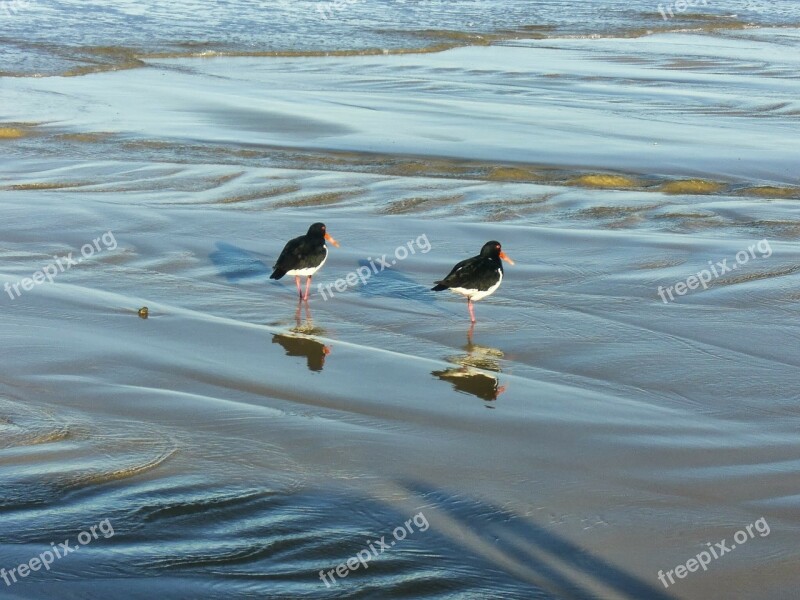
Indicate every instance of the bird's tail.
{"type": "Point", "coordinates": [439, 286]}
{"type": "Point", "coordinates": [277, 274]}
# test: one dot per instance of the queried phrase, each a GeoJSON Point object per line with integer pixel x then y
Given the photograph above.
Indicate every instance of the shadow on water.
{"type": "Point", "coordinates": [393, 284]}
{"type": "Point", "coordinates": [529, 551]}
{"type": "Point", "coordinates": [473, 371]}
{"type": "Point", "coordinates": [299, 340]}
{"type": "Point", "coordinates": [197, 535]}
{"type": "Point", "coordinates": [236, 264]}
{"type": "Point", "coordinates": [255, 542]}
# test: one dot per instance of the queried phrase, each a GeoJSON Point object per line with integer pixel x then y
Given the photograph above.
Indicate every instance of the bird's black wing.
{"type": "Point", "coordinates": [461, 273]}
{"type": "Point", "coordinates": [292, 254]}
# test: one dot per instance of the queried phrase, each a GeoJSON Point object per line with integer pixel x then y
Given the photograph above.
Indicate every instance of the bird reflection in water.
{"type": "Point", "coordinates": [466, 376]}
{"type": "Point", "coordinates": [300, 343]}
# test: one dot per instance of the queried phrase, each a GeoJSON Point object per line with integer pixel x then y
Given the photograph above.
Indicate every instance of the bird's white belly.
{"type": "Point", "coordinates": [476, 295]}
{"type": "Point", "coordinates": [308, 271]}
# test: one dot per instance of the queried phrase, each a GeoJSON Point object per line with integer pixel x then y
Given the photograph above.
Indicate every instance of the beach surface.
{"type": "Point", "coordinates": [614, 412]}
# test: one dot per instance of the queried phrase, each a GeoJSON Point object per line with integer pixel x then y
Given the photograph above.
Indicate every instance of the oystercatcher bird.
{"type": "Point", "coordinates": [303, 256]}
{"type": "Point", "coordinates": [476, 277]}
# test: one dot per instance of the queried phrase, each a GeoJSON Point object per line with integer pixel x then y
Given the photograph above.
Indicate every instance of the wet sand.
{"type": "Point", "coordinates": [583, 436]}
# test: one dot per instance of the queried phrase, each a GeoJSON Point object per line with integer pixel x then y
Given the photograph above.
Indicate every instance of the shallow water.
{"type": "Point", "coordinates": [581, 437]}
{"type": "Point", "coordinates": [73, 37]}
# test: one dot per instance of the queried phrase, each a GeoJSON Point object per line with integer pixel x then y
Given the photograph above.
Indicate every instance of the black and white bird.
{"type": "Point", "coordinates": [476, 277]}
{"type": "Point", "coordinates": [303, 256]}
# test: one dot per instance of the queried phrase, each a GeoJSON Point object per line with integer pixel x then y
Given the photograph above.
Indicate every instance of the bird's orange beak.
{"type": "Point", "coordinates": [331, 240]}
{"type": "Point", "coordinates": [505, 257]}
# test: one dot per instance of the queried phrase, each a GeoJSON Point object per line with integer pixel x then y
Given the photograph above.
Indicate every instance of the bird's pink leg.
{"type": "Point", "coordinates": [297, 283]}
{"type": "Point", "coordinates": [471, 312]}
{"type": "Point", "coordinates": [308, 285]}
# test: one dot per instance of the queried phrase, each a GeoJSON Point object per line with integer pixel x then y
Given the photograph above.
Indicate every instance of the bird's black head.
{"type": "Point", "coordinates": [494, 251]}
{"type": "Point", "coordinates": [316, 230]}
{"type": "Point", "coordinates": [491, 250]}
